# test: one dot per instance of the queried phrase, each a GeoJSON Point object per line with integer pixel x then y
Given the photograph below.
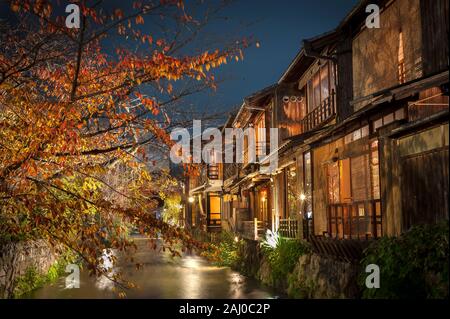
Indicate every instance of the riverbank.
{"type": "Point", "coordinates": [309, 276]}
{"type": "Point", "coordinates": [413, 265]}
{"type": "Point", "coordinates": [27, 265]}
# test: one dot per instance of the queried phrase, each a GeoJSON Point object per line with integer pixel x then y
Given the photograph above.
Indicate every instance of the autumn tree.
{"type": "Point", "coordinates": [79, 106]}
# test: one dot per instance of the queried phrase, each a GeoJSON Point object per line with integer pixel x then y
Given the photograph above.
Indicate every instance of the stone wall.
{"type": "Point", "coordinates": [318, 277]}
{"type": "Point", "coordinates": [314, 276]}
{"type": "Point", "coordinates": [16, 258]}
{"type": "Point", "coordinates": [250, 258]}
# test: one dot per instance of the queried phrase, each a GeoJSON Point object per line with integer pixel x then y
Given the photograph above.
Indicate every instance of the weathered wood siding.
{"type": "Point", "coordinates": [344, 92]}
{"type": "Point", "coordinates": [414, 178]}
{"type": "Point", "coordinates": [425, 188]}
{"type": "Point", "coordinates": [424, 176]}
{"type": "Point", "coordinates": [375, 51]}
{"type": "Point", "coordinates": [435, 32]}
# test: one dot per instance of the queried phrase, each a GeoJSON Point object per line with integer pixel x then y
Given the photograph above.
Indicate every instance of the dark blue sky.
{"type": "Point", "coordinates": [280, 26]}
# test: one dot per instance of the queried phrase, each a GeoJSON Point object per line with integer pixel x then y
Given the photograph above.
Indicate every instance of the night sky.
{"type": "Point", "coordinates": [280, 26]}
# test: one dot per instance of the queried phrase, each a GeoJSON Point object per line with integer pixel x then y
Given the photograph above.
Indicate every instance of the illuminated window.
{"type": "Point", "coordinates": [214, 209]}
{"type": "Point", "coordinates": [354, 209]}
{"type": "Point", "coordinates": [388, 118]}
{"type": "Point", "coordinates": [401, 60]}
{"type": "Point", "coordinates": [307, 183]}
{"type": "Point", "coordinates": [260, 131]}
{"type": "Point", "coordinates": [357, 134]}
{"type": "Point", "coordinates": [320, 86]}
{"type": "Point", "coordinates": [292, 191]}
{"type": "Point", "coordinates": [400, 114]}
{"type": "Point", "coordinates": [375, 170]}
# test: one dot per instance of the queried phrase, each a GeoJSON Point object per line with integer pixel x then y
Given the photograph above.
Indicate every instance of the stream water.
{"type": "Point", "coordinates": [163, 276]}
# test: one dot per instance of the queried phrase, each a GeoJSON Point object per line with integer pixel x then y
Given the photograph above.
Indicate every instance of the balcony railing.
{"type": "Point", "coordinates": [325, 111]}
{"type": "Point", "coordinates": [253, 229]}
{"type": "Point", "coordinates": [434, 103]}
{"type": "Point", "coordinates": [357, 220]}
{"type": "Point", "coordinates": [288, 228]}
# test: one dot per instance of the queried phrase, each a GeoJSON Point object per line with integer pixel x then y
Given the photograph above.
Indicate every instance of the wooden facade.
{"type": "Point", "coordinates": [363, 133]}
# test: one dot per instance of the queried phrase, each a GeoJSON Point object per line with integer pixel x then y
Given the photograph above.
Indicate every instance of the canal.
{"type": "Point", "coordinates": [163, 276]}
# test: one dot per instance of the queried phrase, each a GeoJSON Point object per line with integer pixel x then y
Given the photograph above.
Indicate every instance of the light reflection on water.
{"type": "Point", "coordinates": [163, 276]}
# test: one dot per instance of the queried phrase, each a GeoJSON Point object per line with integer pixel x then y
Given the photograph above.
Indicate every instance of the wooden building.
{"type": "Point", "coordinates": [363, 135]}
{"type": "Point", "coordinates": [203, 191]}
{"type": "Point", "coordinates": [380, 164]}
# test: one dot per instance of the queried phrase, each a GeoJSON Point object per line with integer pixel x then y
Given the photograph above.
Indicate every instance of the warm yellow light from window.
{"type": "Point", "coordinates": [214, 205]}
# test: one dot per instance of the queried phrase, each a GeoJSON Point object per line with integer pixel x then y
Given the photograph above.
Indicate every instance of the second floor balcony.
{"type": "Point", "coordinates": [321, 114]}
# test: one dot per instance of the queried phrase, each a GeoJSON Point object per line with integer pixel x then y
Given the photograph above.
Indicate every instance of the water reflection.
{"type": "Point", "coordinates": [104, 283]}
{"type": "Point", "coordinates": [163, 276]}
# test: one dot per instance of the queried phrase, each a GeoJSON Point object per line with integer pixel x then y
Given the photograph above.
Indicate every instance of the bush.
{"type": "Point", "coordinates": [32, 279]}
{"type": "Point", "coordinates": [414, 265]}
{"type": "Point", "coordinates": [282, 255]}
{"type": "Point", "coordinates": [224, 250]}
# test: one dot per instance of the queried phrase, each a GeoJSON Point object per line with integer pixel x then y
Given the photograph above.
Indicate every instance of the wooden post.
{"type": "Point", "coordinates": [256, 228]}
{"type": "Point", "coordinates": [273, 221]}
{"type": "Point", "coordinates": [289, 226]}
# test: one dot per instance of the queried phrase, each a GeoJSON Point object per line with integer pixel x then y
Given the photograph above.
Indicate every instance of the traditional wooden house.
{"type": "Point", "coordinates": [400, 106]}
{"type": "Point", "coordinates": [377, 163]}
{"type": "Point", "coordinates": [310, 110]}
{"type": "Point", "coordinates": [363, 135]}
{"type": "Point", "coordinates": [249, 185]}
{"type": "Point", "coordinates": [203, 189]}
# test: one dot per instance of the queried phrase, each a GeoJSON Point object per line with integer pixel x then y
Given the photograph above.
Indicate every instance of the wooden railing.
{"type": "Point", "coordinates": [433, 102]}
{"type": "Point", "coordinates": [348, 250]}
{"type": "Point", "coordinates": [288, 228]}
{"type": "Point", "coordinates": [356, 220]}
{"type": "Point", "coordinates": [325, 111]}
{"type": "Point", "coordinates": [253, 229]}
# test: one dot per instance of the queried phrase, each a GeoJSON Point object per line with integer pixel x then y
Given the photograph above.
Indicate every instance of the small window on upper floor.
{"type": "Point", "coordinates": [320, 85]}
{"type": "Point", "coordinates": [401, 60]}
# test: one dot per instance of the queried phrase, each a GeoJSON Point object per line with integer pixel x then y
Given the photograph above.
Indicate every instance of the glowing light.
{"type": "Point", "coordinates": [191, 199]}
{"type": "Point", "coordinates": [271, 238]}
{"type": "Point", "coordinates": [302, 197]}
{"type": "Point", "coordinates": [236, 238]}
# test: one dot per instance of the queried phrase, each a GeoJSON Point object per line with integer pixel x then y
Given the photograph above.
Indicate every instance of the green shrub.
{"type": "Point", "coordinates": [224, 250]}
{"type": "Point", "coordinates": [414, 265]}
{"type": "Point", "coordinates": [283, 257]}
{"type": "Point", "coordinates": [32, 279]}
